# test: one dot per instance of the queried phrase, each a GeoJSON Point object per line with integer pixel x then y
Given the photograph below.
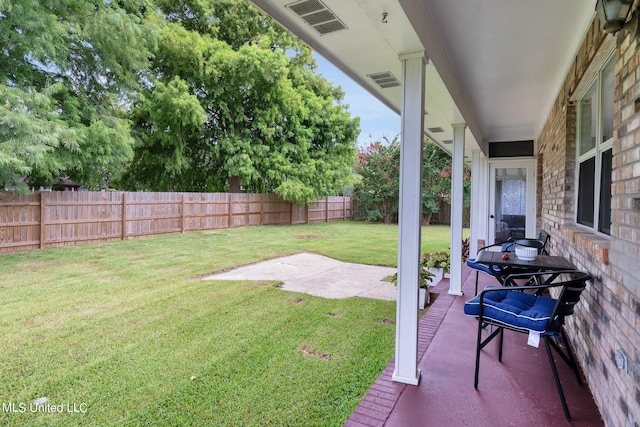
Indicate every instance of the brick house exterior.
{"type": "Point", "coordinates": [606, 327]}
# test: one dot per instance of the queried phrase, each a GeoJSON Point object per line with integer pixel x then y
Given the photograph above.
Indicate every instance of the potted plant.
{"type": "Point", "coordinates": [426, 277]}
{"type": "Point", "coordinates": [436, 262]}
{"type": "Point", "coordinates": [465, 249]}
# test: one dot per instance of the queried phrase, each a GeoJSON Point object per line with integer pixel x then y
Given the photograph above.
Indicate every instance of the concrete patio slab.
{"type": "Point", "coordinates": [320, 276]}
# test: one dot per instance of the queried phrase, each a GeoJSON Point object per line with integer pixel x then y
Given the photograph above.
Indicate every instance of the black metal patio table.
{"type": "Point", "coordinates": [501, 266]}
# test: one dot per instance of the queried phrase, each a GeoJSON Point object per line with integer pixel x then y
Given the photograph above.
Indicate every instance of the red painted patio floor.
{"type": "Point", "coordinates": [520, 391]}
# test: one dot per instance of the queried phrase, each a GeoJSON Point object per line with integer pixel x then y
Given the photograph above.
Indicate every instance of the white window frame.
{"type": "Point", "coordinates": [595, 152]}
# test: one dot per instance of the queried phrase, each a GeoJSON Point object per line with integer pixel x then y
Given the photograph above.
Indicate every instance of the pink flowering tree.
{"type": "Point", "coordinates": [376, 192]}
{"type": "Point", "coordinates": [378, 167]}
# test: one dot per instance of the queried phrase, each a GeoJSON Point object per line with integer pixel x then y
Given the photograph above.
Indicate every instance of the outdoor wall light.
{"type": "Point", "coordinates": [614, 15]}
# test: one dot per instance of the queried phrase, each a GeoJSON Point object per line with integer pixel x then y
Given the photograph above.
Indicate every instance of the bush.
{"type": "Point", "coordinates": [376, 196]}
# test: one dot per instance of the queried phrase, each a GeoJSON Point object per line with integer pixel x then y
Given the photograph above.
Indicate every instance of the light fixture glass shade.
{"type": "Point", "coordinates": [613, 13]}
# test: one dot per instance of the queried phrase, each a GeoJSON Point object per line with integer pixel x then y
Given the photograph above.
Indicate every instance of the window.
{"type": "Point", "coordinates": [595, 141]}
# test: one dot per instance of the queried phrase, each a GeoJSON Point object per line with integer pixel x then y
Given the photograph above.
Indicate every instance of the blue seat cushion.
{"type": "Point", "coordinates": [518, 309]}
{"type": "Point", "coordinates": [508, 247]}
{"type": "Point", "coordinates": [471, 262]}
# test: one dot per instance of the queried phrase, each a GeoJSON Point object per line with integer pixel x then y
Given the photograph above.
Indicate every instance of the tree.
{"type": "Point", "coordinates": [376, 192]}
{"type": "Point", "coordinates": [436, 179]}
{"type": "Point", "coordinates": [67, 67]}
{"type": "Point", "coordinates": [378, 168]}
{"type": "Point", "coordinates": [270, 123]}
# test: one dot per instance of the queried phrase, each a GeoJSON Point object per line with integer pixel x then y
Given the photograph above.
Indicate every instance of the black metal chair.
{"type": "Point", "coordinates": [539, 243]}
{"type": "Point", "coordinates": [515, 309]}
{"type": "Point", "coordinates": [544, 237]}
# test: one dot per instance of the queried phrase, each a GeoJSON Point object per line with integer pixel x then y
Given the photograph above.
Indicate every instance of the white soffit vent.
{"type": "Point", "coordinates": [385, 79]}
{"type": "Point", "coordinates": [316, 14]}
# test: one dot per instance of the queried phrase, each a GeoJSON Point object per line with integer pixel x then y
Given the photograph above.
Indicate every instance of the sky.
{"type": "Point", "coordinates": [376, 119]}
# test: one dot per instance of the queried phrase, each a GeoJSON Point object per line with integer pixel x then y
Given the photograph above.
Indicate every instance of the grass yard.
{"type": "Point", "coordinates": [127, 333]}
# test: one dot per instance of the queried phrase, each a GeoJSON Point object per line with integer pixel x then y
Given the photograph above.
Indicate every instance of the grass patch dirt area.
{"type": "Point", "coordinates": [311, 236]}
{"type": "Point", "coordinates": [127, 333]}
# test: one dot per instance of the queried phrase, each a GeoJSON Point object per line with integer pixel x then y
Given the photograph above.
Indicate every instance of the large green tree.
{"type": "Point", "coordinates": [67, 68]}
{"type": "Point", "coordinates": [236, 103]}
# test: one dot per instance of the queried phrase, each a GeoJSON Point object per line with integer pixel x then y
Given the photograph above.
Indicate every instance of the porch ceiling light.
{"type": "Point", "coordinates": [613, 15]}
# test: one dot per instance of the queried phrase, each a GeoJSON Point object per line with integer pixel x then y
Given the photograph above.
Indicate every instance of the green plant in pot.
{"type": "Point", "coordinates": [426, 277]}
{"type": "Point", "coordinates": [436, 259]}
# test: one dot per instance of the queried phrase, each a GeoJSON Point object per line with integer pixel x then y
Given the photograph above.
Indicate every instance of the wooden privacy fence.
{"type": "Point", "coordinates": [443, 216]}
{"type": "Point", "coordinates": [46, 219]}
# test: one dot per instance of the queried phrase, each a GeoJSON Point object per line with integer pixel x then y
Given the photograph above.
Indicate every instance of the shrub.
{"type": "Point", "coordinates": [375, 194]}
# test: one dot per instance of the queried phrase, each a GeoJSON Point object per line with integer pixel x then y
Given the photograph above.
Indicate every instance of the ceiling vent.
{"type": "Point", "coordinates": [319, 16]}
{"type": "Point", "coordinates": [385, 79]}
{"type": "Point", "coordinates": [436, 130]}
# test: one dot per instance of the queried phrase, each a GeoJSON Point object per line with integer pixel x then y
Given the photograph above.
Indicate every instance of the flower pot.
{"type": "Point", "coordinates": [438, 273]}
{"type": "Point", "coordinates": [423, 299]}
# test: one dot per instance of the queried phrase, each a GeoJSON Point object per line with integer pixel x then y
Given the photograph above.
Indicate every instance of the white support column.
{"type": "Point", "coordinates": [410, 218]}
{"type": "Point", "coordinates": [479, 201]}
{"type": "Point", "coordinates": [457, 208]}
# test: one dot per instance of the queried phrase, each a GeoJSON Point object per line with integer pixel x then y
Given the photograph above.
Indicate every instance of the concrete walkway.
{"type": "Point", "coordinates": [320, 276]}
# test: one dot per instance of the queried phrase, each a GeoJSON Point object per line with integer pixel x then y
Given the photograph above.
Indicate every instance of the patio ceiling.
{"type": "Point", "coordinates": [495, 65]}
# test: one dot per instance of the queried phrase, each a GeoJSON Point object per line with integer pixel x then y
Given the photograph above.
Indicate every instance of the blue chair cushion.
{"type": "Point", "coordinates": [514, 308]}
{"type": "Point", "coordinates": [508, 247]}
{"type": "Point", "coordinates": [471, 262]}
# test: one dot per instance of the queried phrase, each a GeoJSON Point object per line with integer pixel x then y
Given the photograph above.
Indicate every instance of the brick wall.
{"type": "Point", "coordinates": [606, 327]}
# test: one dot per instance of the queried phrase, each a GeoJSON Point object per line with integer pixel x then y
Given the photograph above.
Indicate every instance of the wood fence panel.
{"type": "Point", "coordinates": [298, 214]}
{"type": "Point", "coordinates": [80, 217]}
{"type": "Point", "coordinates": [317, 211]}
{"type": "Point", "coordinates": [348, 206]}
{"type": "Point", "coordinates": [19, 221]}
{"type": "Point", "coordinates": [153, 213]}
{"type": "Point", "coordinates": [443, 216]}
{"type": "Point", "coordinates": [55, 218]}
{"type": "Point", "coordinates": [245, 209]}
{"type": "Point", "coordinates": [335, 209]}
{"type": "Point", "coordinates": [276, 211]}
{"type": "Point", "coordinates": [206, 211]}
{"type": "Point", "coordinates": [255, 214]}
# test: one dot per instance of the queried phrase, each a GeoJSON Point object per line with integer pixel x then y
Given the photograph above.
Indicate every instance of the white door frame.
{"type": "Point", "coordinates": [530, 164]}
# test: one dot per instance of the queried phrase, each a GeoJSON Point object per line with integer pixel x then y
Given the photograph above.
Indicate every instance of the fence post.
{"type": "Point", "coordinates": [290, 213]}
{"type": "Point", "coordinates": [42, 219]}
{"type": "Point", "coordinates": [262, 209]}
{"type": "Point", "coordinates": [326, 209]}
{"type": "Point", "coordinates": [182, 216]}
{"type": "Point", "coordinates": [230, 210]}
{"type": "Point", "coordinates": [344, 208]}
{"type": "Point", "coordinates": [124, 216]}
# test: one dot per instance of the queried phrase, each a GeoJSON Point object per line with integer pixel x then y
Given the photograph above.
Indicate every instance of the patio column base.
{"type": "Point", "coordinates": [407, 380]}
{"type": "Point", "coordinates": [456, 293]}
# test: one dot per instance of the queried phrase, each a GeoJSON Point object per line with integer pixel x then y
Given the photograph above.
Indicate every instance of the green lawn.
{"type": "Point", "coordinates": [130, 334]}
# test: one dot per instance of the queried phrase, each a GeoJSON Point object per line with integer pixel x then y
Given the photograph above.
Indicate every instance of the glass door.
{"type": "Point", "coordinates": [512, 200]}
